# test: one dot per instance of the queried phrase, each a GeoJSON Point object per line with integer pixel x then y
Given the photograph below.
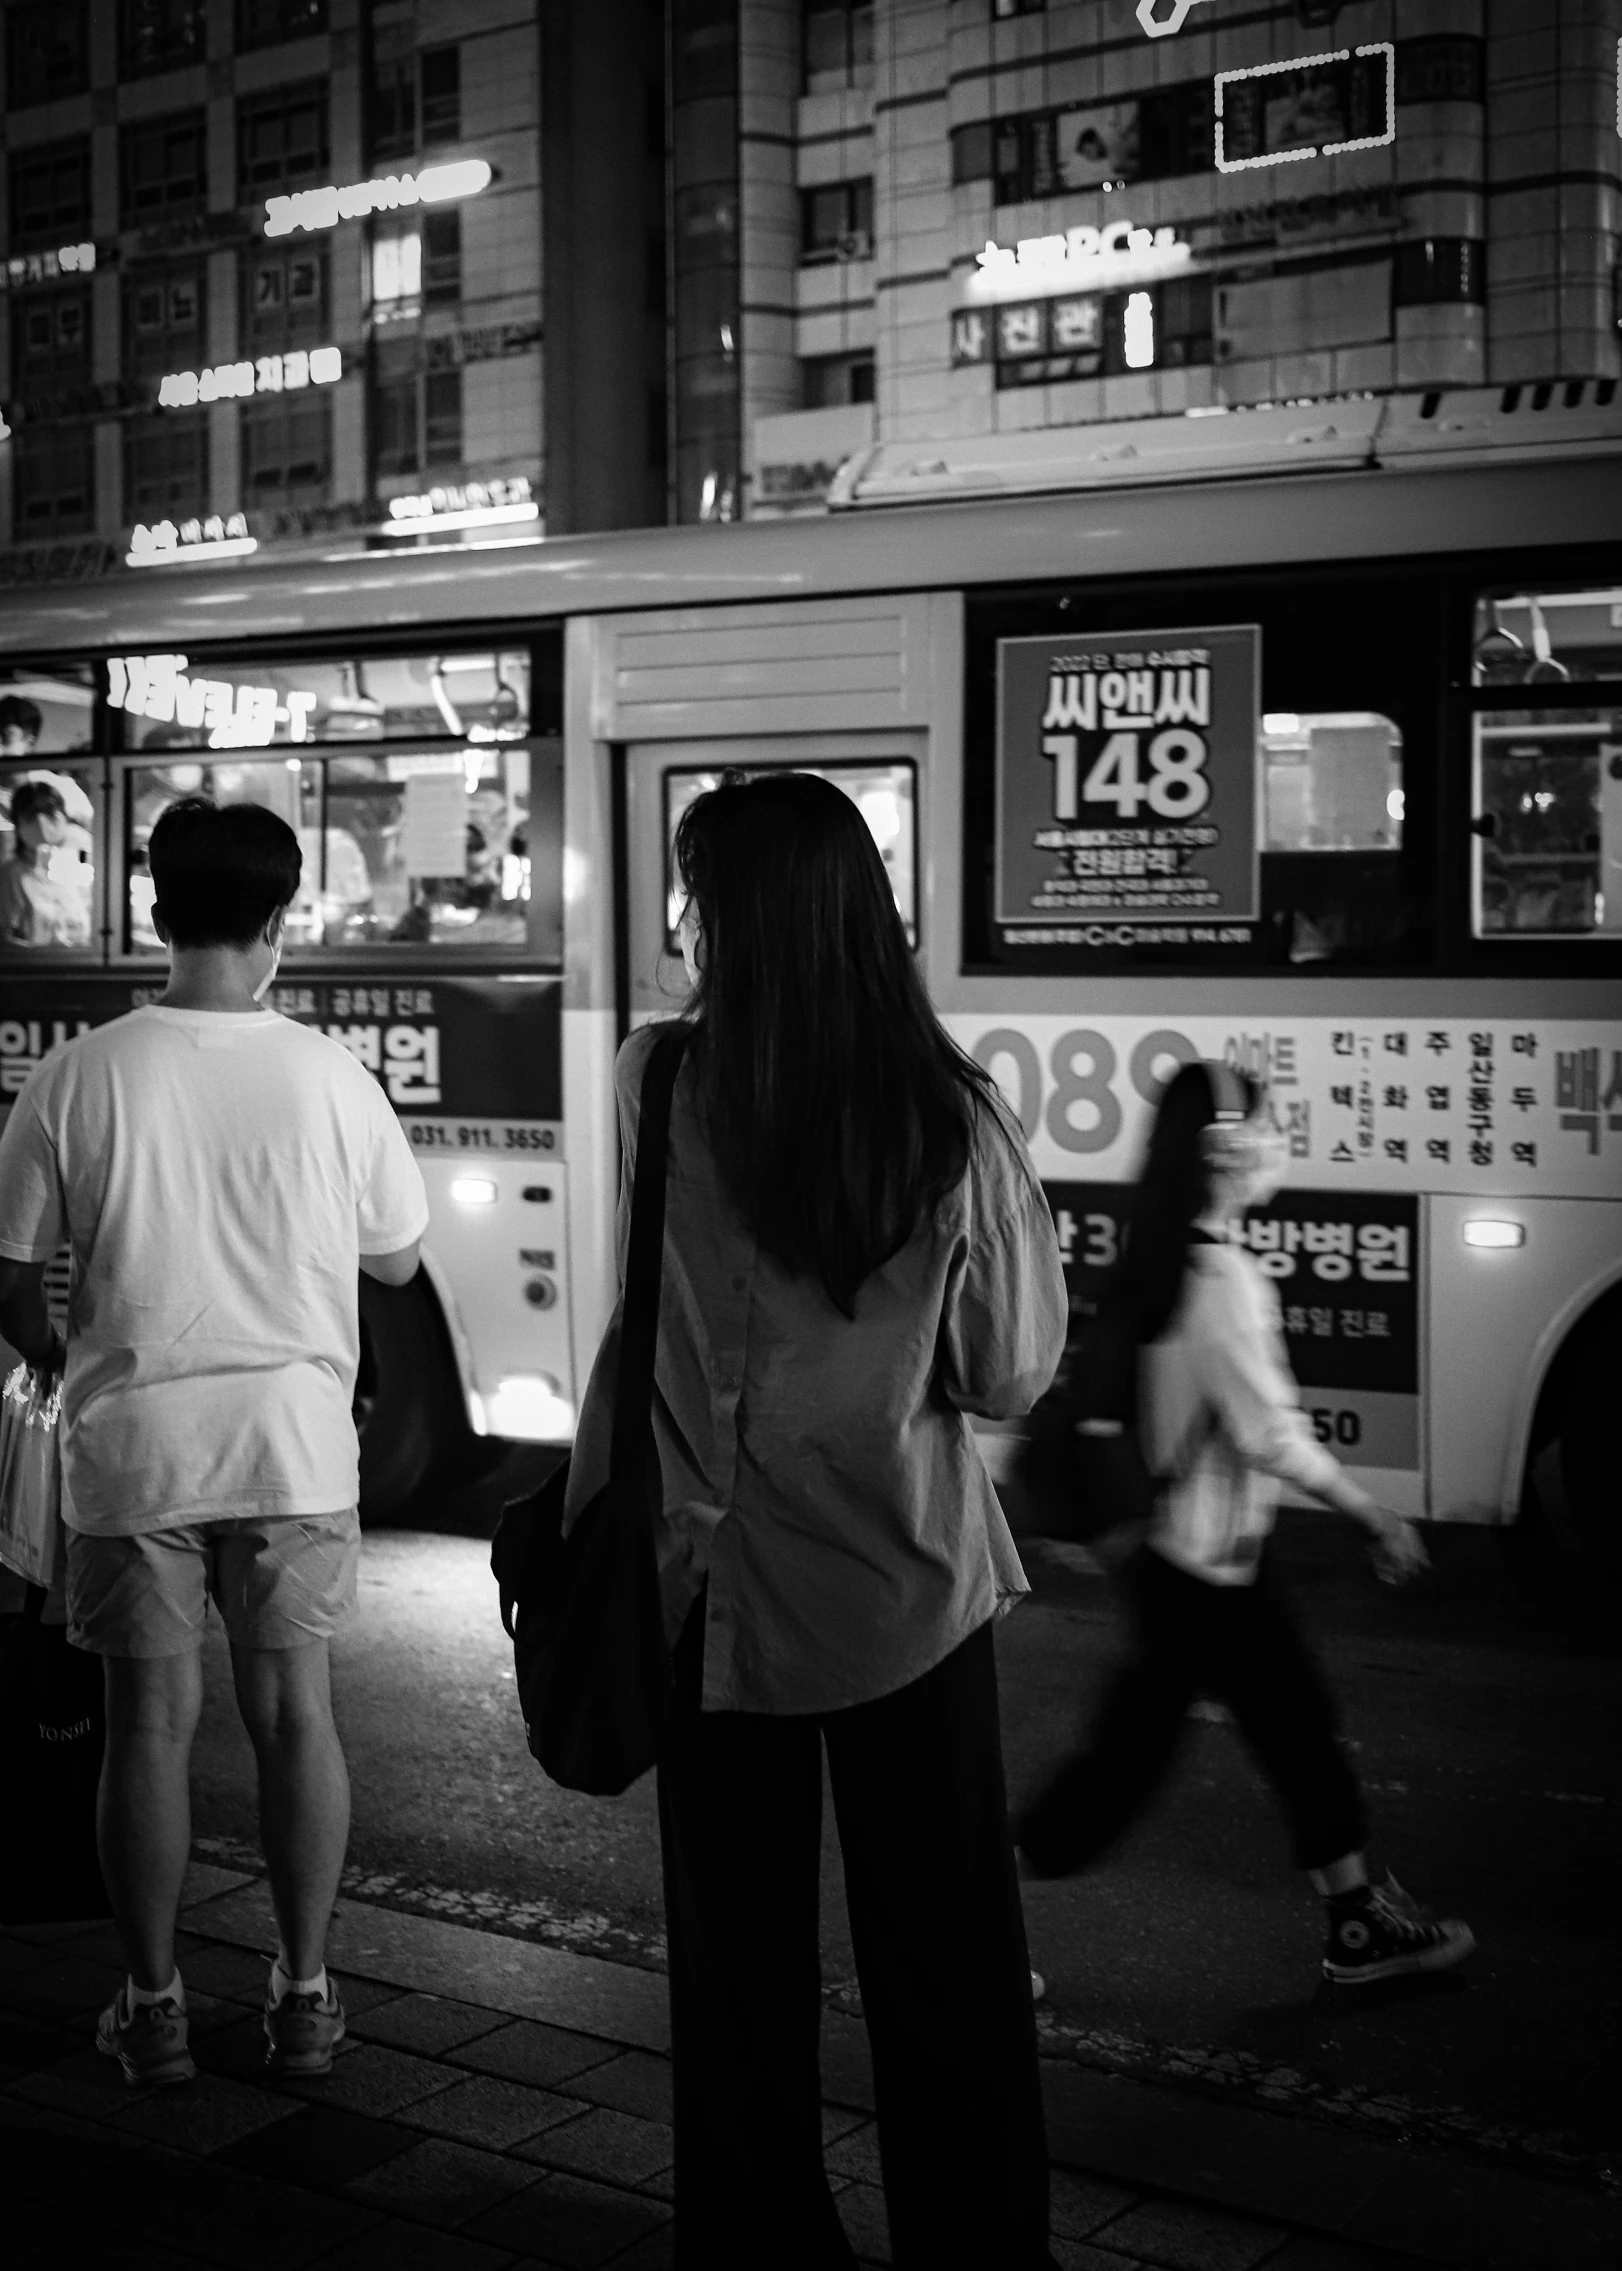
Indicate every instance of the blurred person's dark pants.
{"type": "Point", "coordinates": [939, 1937]}
{"type": "Point", "coordinates": [1239, 1644]}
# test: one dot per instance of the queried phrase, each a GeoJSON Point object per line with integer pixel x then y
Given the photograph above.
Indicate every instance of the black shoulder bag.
{"type": "Point", "coordinates": [584, 1612]}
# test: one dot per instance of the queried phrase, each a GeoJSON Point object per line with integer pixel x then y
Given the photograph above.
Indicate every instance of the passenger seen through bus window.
{"type": "Point", "coordinates": [47, 876]}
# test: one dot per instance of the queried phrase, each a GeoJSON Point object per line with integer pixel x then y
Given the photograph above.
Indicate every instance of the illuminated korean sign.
{"type": "Point", "coordinates": [312, 209]}
{"type": "Point", "coordinates": [270, 374]}
{"type": "Point", "coordinates": [47, 267]}
{"type": "Point", "coordinates": [218, 537]}
{"type": "Point", "coordinates": [463, 504]}
{"type": "Point", "coordinates": [234, 716]}
{"type": "Point", "coordinates": [1083, 259]}
{"type": "Point", "coordinates": [1315, 107]}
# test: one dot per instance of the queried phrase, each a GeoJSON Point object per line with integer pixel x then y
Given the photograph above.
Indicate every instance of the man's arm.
{"type": "Point", "coordinates": [24, 1319]}
{"type": "Point", "coordinates": [398, 1268]}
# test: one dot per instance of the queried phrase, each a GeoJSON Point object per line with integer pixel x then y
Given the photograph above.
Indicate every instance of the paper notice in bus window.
{"type": "Point", "coordinates": [1127, 777]}
{"type": "Point", "coordinates": [433, 825]}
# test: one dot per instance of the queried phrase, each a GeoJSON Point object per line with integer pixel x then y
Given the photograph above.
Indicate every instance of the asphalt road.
{"type": "Point", "coordinates": [1484, 1703]}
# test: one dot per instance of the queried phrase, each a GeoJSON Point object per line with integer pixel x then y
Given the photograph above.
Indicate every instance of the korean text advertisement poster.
{"type": "Point", "coordinates": [1127, 778]}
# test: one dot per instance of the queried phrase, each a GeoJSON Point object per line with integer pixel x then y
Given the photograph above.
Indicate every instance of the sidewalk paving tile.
{"type": "Point", "coordinates": [847, 2061]}
{"type": "Point", "coordinates": [85, 2083]}
{"type": "Point", "coordinates": [428, 2024]}
{"type": "Point", "coordinates": [441, 2182]}
{"type": "Point", "coordinates": [635, 2082]}
{"type": "Point", "coordinates": [238, 1975]}
{"type": "Point", "coordinates": [1307, 2253]}
{"type": "Point", "coordinates": [210, 2113]}
{"type": "Point", "coordinates": [1083, 2255]}
{"type": "Point", "coordinates": [1186, 2238]}
{"type": "Point", "coordinates": [1077, 2205]}
{"type": "Point", "coordinates": [856, 2155]}
{"type": "Point", "coordinates": [321, 2146]}
{"type": "Point", "coordinates": [368, 2078]}
{"type": "Point", "coordinates": [861, 2211]}
{"type": "Point", "coordinates": [839, 2121]}
{"type": "Point", "coordinates": [619, 2148]}
{"type": "Point", "coordinates": [571, 2223]}
{"type": "Point", "coordinates": [527, 2051]}
{"type": "Point", "coordinates": [395, 2246]}
{"type": "Point", "coordinates": [64, 1986]}
{"type": "Point", "coordinates": [424, 1952]}
{"type": "Point", "coordinates": [482, 2109]}
{"type": "Point", "coordinates": [655, 2253]}
{"type": "Point", "coordinates": [27, 2044]}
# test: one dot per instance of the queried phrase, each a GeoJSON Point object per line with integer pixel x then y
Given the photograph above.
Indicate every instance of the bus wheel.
{"type": "Point", "coordinates": [1591, 1445]}
{"type": "Point", "coordinates": [408, 1400]}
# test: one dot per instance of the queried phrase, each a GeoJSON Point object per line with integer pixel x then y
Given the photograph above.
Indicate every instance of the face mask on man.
{"type": "Point", "coordinates": [269, 978]}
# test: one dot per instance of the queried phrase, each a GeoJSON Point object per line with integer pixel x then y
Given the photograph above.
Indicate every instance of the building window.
{"type": "Point", "coordinates": [396, 271]}
{"type": "Point", "coordinates": [55, 494]}
{"type": "Point", "coordinates": [441, 257]}
{"type": "Point", "coordinates": [284, 299]}
{"type": "Point", "coordinates": [50, 346]}
{"type": "Point", "coordinates": [394, 107]}
{"type": "Point", "coordinates": [1018, 7]}
{"type": "Point", "coordinates": [286, 449]}
{"type": "Point", "coordinates": [165, 465]}
{"type": "Point", "coordinates": [163, 166]}
{"type": "Point", "coordinates": [262, 23]}
{"type": "Point", "coordinates": [416, 421]}
{"type": "Point", "coordinates": [163, 321]}
{"type": "Point", "coordinates": [441, 94]}
{"type": "Point", "coordinates": [50, 195]}
{"type": "Point", "coordinates": [838, 221]}
{"type": "Point", "coordinates": [160, 35]}
{"type": "Point", "coordinates": [831, 382]}
{"type": "Point", "coordinates": [1439, 271]}
{"type": "Point", "coordinates": [46, 53]}
{"type": "Point", "coordinates": [281, 141]}
{"type": "Point", "coordinates": [838, 45]}
{"type": "Point", "coordinates": [1047, 153]}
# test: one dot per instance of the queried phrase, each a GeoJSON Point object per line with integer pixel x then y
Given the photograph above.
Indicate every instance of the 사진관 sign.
{"type": "Point", "coordinates": [1127, 779]}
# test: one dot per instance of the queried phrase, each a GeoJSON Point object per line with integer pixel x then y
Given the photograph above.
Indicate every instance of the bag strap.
{"type": "Point", "coordinates": [639, 1319]}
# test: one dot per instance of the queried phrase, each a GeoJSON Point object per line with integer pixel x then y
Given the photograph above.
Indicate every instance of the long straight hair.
{"type": "Point", "coordinates": [839, 1112]}
{"type": "Point", "coordinates": [1172, 1193]}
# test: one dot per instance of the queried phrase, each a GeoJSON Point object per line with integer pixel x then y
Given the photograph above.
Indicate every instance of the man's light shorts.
{"type": "Point", "coordinates": [278, 1581]}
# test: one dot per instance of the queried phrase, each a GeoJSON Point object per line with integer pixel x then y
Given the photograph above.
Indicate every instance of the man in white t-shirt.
{"type": "Point", "coordinates": [220, 1174]}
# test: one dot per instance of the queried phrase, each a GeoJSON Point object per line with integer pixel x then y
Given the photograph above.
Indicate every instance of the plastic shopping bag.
{"type": "Point", "coordinates": [31, 1540]}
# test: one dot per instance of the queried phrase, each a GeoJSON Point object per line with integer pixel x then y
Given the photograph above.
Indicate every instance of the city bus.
{"type": "Point", "coordinates": [1317, 771]}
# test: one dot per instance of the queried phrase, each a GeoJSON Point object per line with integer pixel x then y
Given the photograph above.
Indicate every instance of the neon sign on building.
{"type": "Point", "coordinates": [218, 537]}
{"type": "Point", "coordinates": [1314, 106]}
{"type": "Point", "coordinates": [1081, 260]}
{"type": "Point", "coordinates": [270, 374]}
{"type": "Point", "coordinates": [313, 209]}
{"type": "Point", "coordinates": [463, 504]}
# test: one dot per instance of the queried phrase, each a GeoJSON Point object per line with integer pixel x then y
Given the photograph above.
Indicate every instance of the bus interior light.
{"type": "Point", "coordinates": [474, 1190]}
{"type": "Point", "coordinates": [1483, 1232]}
{"type": "Point", "coordinates": [529, 1408]}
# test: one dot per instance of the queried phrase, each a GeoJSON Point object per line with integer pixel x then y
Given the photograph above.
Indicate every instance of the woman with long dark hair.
{"type": "Point", "coordinates": [1221, 1425]}
{"type": "Point", "coordinates": [857, 1254]}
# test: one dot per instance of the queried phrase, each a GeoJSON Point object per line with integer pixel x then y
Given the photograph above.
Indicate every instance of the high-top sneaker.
{"type": "Point", "coordinates": [1378, 1932]}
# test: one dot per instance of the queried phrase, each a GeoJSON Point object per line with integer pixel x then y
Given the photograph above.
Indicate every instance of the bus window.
{"type": "Point", "coordinates": [48, 834]}
{"type": "Point", "coordinates": [1547, 638]}
{"type": "Point", "coordinates": [883, 793]}
{"type": "Point", "coordinates": [168, 702]}
{"type": "Point", "coordinates": [50, 715]}
{"type": "Point", "coordinates": [419, 848]}
{"type": "Point", "coordinates": [1334, 782]}
{"type": "Point", "coordinates": [1548, 823]}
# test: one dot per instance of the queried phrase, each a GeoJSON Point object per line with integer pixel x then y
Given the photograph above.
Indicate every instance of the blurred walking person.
{"type": "Point", "coordinates": [857, 1254]}
{"type": "Point", "coordinates": [1221, 1423]}
{"type": "Point", "coordinates": [220, 1174]}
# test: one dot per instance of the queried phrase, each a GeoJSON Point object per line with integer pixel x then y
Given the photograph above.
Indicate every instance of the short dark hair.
{"type": "Point", "coordinates": [18, 710]}
{"type": "Point", "coordinates": [220, 871]}
{"type": "Point", "coordinates": [31, 797]}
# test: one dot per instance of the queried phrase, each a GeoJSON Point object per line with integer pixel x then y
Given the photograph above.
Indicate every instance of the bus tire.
{"type": "Point", "coordinates": [408, 1399]}
{"type": "Point", "coordinates": [1591, 1441]}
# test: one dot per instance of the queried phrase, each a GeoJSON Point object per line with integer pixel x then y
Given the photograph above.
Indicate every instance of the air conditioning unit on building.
{"type": "Point", "coordinates": [855, 244]}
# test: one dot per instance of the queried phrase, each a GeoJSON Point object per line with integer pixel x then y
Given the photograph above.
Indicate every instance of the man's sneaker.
{"type": "Point", "coordinates": [1388, 1935]}
{"type": "Point", "coordinates": [1039, 1987]}
{"type": "Point", "coordinates": [303, 2032]}
{"type": "Point", "coordinates": [148, 2040]}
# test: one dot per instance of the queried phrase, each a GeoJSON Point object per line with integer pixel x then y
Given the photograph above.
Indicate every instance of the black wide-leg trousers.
{"type": "Point", "coordinates": [1239, 1644]}
{"type": "Point", "coordinates": [917, 1780]}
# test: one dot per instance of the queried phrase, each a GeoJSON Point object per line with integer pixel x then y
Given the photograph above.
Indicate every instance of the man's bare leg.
{"type": "Point", "coordinates": [285, 1697]}
{"type": "Point", "coordinates": [143, 1807]}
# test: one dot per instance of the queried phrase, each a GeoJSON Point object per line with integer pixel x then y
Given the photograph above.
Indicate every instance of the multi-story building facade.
{"type": "Point", "coordinates": [979, 218]}
{"type": "Point", "coordinates": [273, 269]}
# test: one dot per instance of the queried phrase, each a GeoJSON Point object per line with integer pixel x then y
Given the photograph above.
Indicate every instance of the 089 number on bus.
{"type": "Point", "coordinates": [1082, 1111]}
